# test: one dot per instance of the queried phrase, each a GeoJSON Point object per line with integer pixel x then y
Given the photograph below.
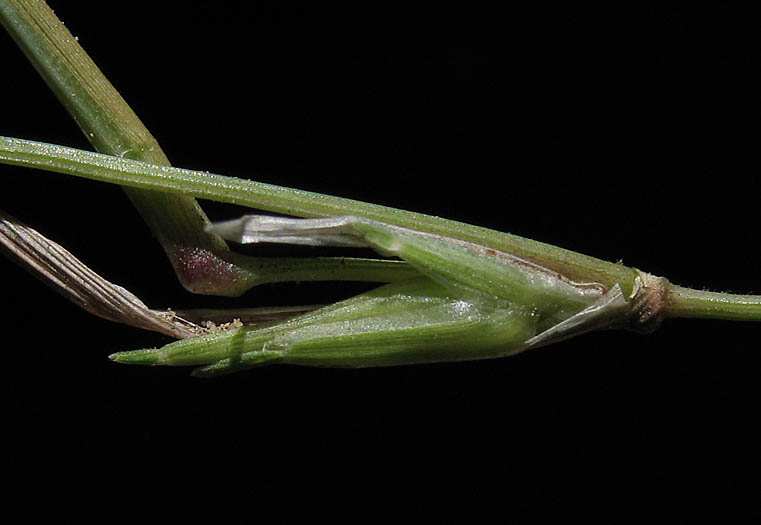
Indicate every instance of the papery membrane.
{"type": "Point", "coordinates": [467, 268]}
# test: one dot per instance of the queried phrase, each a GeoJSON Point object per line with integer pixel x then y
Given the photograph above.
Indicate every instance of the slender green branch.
{"type": "Point", "coordinates": [102, 114]}
{"type": "Point", "coordinates": [278, 199]}
{"type": "Point", "coordinates": [98, 109]}
{"type": "Point", "coordinates": [202, 261]}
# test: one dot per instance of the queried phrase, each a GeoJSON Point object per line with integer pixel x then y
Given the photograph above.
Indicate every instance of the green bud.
{"type": "Point", "coordinates": [416, 321]}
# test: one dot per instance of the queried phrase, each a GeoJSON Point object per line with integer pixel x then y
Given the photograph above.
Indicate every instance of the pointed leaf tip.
{"type": "Point", "coordinates": [136, 357]}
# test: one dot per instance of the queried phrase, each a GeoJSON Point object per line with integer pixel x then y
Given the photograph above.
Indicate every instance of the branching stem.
{"type": "Point", "coordinates": [202, 261]}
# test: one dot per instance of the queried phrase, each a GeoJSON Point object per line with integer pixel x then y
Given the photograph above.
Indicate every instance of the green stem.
{"type": "Point", "coordinates": [272, 198]}
{"type": "Point", "coordinates": [686, 302]}
{"type": "Point", "coordinates": [203, 262]}
{"type": "Point", "coordinates": [106, 120]}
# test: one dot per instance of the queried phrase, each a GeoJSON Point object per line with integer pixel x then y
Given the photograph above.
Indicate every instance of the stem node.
{"type": "Point", "coordinates": [648, 300]}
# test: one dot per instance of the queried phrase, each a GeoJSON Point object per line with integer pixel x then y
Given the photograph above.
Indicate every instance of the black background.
{"type": "Point", "coordinates": [625, 134]}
